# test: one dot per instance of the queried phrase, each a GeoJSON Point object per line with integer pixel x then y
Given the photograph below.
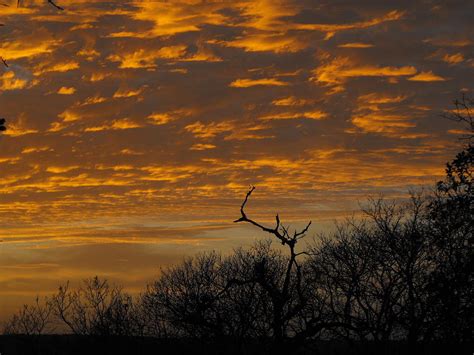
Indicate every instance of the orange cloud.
{"type": "Point", "coordinates": [333, 28]}
{"type": "Point", "coordinates": [356, 45]}
{"type": "Point", "coordinates": [124, 93]}
{"type": "Point", "coordinates": [453, 58]}
{"type": "Point", "coordinates": [209, 130]}
{"type": "Point", "coordinates": [27, 49]}
{"type": "Point", "coordinates": [69, 116]}
{"type": "Point", "coordinates": [20, 127]}
{"type": "Point", "coordinates": [201, 146]}
{"type": "Point", "coordinates": [377, 98]}
{"type": "Point", "coordinates": [291, 101]}
{"type": "Point", "coordinates": [381, 123]}
{"type": "Point", "coordinates": [55, 67]}
{"type": "Point", "coordinates": [61, 169]}
{"type": "Point", "coordinates": [314, 115]}
{"type": "Point", "coordinates": [338, 70]}
{"type": "Point", "coordinates": [259, 42]}
{"type": "Point", "coordinates": [169, 19]}
{"type": "Point", "coordinates": [30, 150]}
{"type": "Point", "coordinates": [246, 83]}
{"type": "Point", "coordinates": [9, 81]}
{"type": "Point", "coordinates": [63, 90]}
{"type": "Point", "coordinates": [427, 77]}
{"type": "Point", "coordinates": [115, 125]}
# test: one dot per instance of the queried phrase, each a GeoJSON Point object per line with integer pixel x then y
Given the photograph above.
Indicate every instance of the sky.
{"type": "Point", "coordinates": [135, 128]}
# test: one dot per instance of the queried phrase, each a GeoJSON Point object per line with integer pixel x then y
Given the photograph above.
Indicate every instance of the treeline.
{"type": "Point", "coordinates": [403, 273]}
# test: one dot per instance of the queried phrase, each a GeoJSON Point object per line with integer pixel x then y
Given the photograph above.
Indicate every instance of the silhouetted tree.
{"type": "Point", "coordinates": [210, 297]}
{"type": "Point", "coordinates": [184, 301]}
{"type": "Point", "coordinates": [95, 308]}
{"type": "Point", "coordinates": [287, 290]}
{"type": "Point", "coordinates": [375, 273]}
{"type": "Point", "coordinates": [31, 319]}
{"type": "Point", "coordinates": [452, 223]}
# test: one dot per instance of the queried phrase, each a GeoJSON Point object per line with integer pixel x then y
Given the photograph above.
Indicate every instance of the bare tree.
{"type": "Point", "coordinates": [31, 319]}
{"type": "Point", "coordinates": [95, 308]}
{"type": "Point", "coordinates": [376, 273]}
{"type": "Point", "coordinates": [189, 299]}
{"type": "Point", "coordinates": [288, 295]}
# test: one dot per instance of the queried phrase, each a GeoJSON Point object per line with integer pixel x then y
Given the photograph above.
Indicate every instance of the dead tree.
{"type": "Point", "coordinates": [289, 297]}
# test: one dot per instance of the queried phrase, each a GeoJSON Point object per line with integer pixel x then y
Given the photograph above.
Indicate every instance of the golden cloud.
{"type": "Point", "coordinates": [291, 101]}
{"type": "Point", "coordinates": [377, 98]}
{"type": "Point", "coordinates": [355, 45]}
{"type": "Point", "coordinates": [314, 115]}
{"type": "Point", "coordinates": [63, 90]}
{"type": "Point", "coordinates": [278, 43]}
{"type": "Point", "coordinates": [61, 169]}
{"type": "Point", "coordinates": [20, 127]}
{"type": "Point", "coordinates": [246, 83]}
{"type": "Point", "coordinates": [453, 58]}
{"type": "Point", "coordinates": [124, 123]}
{"type": "Point", "coordinates": [200, 146]}
{"type": "Point", "coordinates": [9, 81]}
{"type": "Point", "coordinates": [124, 93]}
{"type": "Point", "coordinates": [29, 150]}
{"type": "Point", "coordinates": [331, 29]}
{"type": "Point", "coordinates": [428, 76]}
{"type": "Point", "coordinates": [209, 130]}
{"type": "Point", "coordinates": [336, 72]}
{"type": "Point", "coordinates": [55, 67]}
{"type": "Point", "coordinates": [381, 123]}
{"type": "Point", "coordinates": [27, 48]}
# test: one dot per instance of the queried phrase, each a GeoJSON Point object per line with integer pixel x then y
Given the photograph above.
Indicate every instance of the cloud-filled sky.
{"type": "Point", "coordinates": [136, 127]}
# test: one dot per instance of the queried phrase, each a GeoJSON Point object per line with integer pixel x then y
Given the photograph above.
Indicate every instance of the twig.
{"type": "Point", "coordinates": [56, 6]}
{"type": "Point", "coordinates": [4, 61]}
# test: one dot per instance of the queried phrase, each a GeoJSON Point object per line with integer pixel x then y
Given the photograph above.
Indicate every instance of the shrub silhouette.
{"type": "Point", "coordinates": [30, 319]}
{"type": "Point", "coordinates": [95, 308]}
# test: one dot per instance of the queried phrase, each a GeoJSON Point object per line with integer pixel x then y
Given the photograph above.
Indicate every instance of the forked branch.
{"type": "Point", "coordinates": [279, 231]}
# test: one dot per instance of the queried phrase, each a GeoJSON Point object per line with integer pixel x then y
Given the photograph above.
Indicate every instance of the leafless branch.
{"type": "Point", "coordinates": [279, 231]}
{"type": "Point", "coordinates": [54, 4]}
{"type": "Point", "coordinates": [463, 114]}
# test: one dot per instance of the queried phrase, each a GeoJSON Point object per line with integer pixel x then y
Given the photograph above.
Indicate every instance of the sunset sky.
{"type": "Point", "coordinates": [136, 127]}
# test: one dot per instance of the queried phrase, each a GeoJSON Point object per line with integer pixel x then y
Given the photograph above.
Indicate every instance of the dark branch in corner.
{"type": "Point", "coordinates": [51, 2]}
{"type": "Point", "coordinates": [18, 3]}
{"type": "Point", "coordinates": [463, 113]}
{"type": "Point", "coordinates": [56, 6]}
